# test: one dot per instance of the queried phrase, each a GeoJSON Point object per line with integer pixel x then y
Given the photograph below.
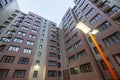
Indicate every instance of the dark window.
{"type": "Point", "coordinates": [59, 74]}
{"type": "Point", "coordinates": [112, 39]}
{"type": "Point", "coordinates": [74, 70]}
{"type": "Point", "coordinates": [52, 54]}
{"type": "Point", "coordinates": [23, 60]}
{"type": "Point", "coordinates": [95, 19]}
{"type": "Point", "coordinates": [35, 74]}
{"type": "Point", "coordinates": [81, 54]}
{"type": "Point", "coordinates": [1, 5]}
{"type": "Point", "coordinates": [59, 64]}
{"type": "Point", "coordinates": [104, 26]}
{"type": "Point", "coordinates": [37, 62]}
{"type": "Point", "coordinates": [19, 73]}
{"type": "Point", "coordinates": [85, 68]}
{"type": "Point", "coordinates": [7, 59]}
{"type": "Point", "coordinates": [3, 73]}
{"type": "Point", "coordinates": [52, 73]}
{"type": "Point", "coordinates": [117, 58]}
{"type": "Point", "coordinates": [103, 65]}
{"type": "Point", "coordinates": [52, 63]}
{"type": "Point", "coordinates": [72, 58]}
{"type": "Point", "coordinates": [78, 44]}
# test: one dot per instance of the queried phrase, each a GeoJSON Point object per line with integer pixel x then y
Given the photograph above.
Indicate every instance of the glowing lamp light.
{"type": "Point", "coordinates": [95, 31]}
{"type": "Point", "coordinates": [83, 27]}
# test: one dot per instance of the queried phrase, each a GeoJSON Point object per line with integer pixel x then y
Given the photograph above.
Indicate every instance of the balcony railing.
{"type": "Point", "coordinates": [100, 2]}
{"type": "Point", "coordinates": [116, 15]}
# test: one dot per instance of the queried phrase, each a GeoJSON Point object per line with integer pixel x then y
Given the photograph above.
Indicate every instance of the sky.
{"type": "Point", "coordinates": [52, 10]}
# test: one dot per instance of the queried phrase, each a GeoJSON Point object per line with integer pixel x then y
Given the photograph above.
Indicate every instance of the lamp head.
{"type": "Point", "coordinates": [83, 27]}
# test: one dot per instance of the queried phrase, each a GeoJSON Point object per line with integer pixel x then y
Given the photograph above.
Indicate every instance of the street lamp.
{"type": "Point", "coordinates": [84, 28]}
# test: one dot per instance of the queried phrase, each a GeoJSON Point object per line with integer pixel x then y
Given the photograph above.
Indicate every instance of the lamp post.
{"type": "Point", "coordinates": [84, 28]}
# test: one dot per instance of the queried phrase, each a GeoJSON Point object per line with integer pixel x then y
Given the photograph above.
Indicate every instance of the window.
{"type": "Point", "coordinates": [52, 63]}
{"type": "Point", "coordinates": [72, 58]}
{"type": "Point", "coordinates": [59, 64]}
{"type": "Point", "coordinates": [85, 68]}
{"type": "Point", "coordinates": [30, 43]}
{"type": "Point", "coordinates": [36, 26]}
{"type": "Point", "coordinates": [13, 48]}
{"type": "Point", "coordinates": [43, 31]}
{"type": "Point", "coordinates": [19, 74]}
{"type": "Point", "coordinates": [33, 30]}
{"type": "Point", "coordinates": [53, 48]}
{"type": "Point", "coordinates": [7, 59]}
{"type": "Point", "coordinates": [41, 46]}
{"type": "Point", "coordinates": [37, 22]}
{"type": "Point", "coordinates": [38, 54]}
{"type": "Point", "coordinates": [104, 26]}
{"type": "Point", "coordinates": [78, 44]}
{"type": "Point", "coordinates": [18, 40]}
{"type": "Point", "coordinates": [4, 2]}
{"type": "Point", "coordinates": [74, 70]}
{"type": "Point", "coordinates": [24, 28]}
{"type": "Point", "coordinates": [117, 58]}
{"type": "Point", "coordinates": [112, 39]}
{"type": "Point", "coordinates": [10, 32]}
{"type": "Point", "coordinates": [52, 55]}
{"type": "Point", "coordinates": [10, 18]}
{"type": "Point", "coordinates": [59, 74]}
{"type": "Point", "coordinates": [37, 62]}
{"type": "Point", "coordinates": [41, 40]}
{"type": "Point", "coordinates": [3, 73]}
{"type": "Point", "coordinates": [21, 33]}
{"type": "Point", "coordinates": [52, 73]}
{"type": "Point", "coordinates": [1, 5]}
{"type": "Point", "coordinates": [90, 13]}
{"type": "Point", "coordinates": [27, 51]}
{"type": "Point", "coordinates": [32, 36]}
{"type": "Point", "coordinates": [74, 36]}
{"type": "Point", "coordinates": [5, 39]}
{"type": "Point", "coordinates": [23, 60]}
{"type": "Point", "coordinates": [103, 65]}
{"type": "Point", "coordinates": [29, 19]}
{"type": "Point", "coordinates": [13, 27]}
{"type": "Point", "coordinates": [27, 23]}
{"type": "Point", "coordinates": [14, 15]}
{"type": "Point", "coordinates": [35, 73]}
{"type": "Point", "coordinates": [113, 10]}
{"type": "Point", "coordinates": [2, 47]}
{"type": "Point", "coordinates": [42, 35]}
{"type": "Point", "coordinates": [81, 54]}
{"type": "Point", "coordinates": [70, 49]}
{"type": "Point", "coordinates": [53, 42]}
{"type": "Point", "coordinates": [95, 19]}
{"type": "Point", "coordinates": [86, 8]}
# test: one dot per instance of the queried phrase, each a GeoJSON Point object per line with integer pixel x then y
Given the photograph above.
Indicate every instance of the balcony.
{"type": "Point", "coordinates": [93, 1]}
{"type": "Point", "coordinates": [116, 15]}
{"type": "Point", "coordinates": [100, 2]}
{"type": "Point", "coordinates": [106, 8]}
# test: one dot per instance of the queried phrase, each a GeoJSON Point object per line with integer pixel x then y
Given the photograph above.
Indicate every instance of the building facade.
{"type": "Point", "coordinates": [34, 48]}
{"type": "Point", "coordinates": [85, 63]}
{"type": "Point", "coordinates": [29, 45]}
{"type": "Point", "coordinates": [7, 7]}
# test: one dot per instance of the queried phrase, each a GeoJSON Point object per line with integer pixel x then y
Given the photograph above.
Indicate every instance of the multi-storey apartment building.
{"type": "Point", "coordinates": [34, 48]}
{"type": "Point", "coordinates": [29, 45]}
{"type": "Point", "coordinates": [7, 7]}
{"type": "Point", "coordinates": [85, 63]}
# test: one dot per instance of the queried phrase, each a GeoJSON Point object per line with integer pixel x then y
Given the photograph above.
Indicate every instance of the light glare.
{"type": "Point", "coordinates": [83, 27]}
